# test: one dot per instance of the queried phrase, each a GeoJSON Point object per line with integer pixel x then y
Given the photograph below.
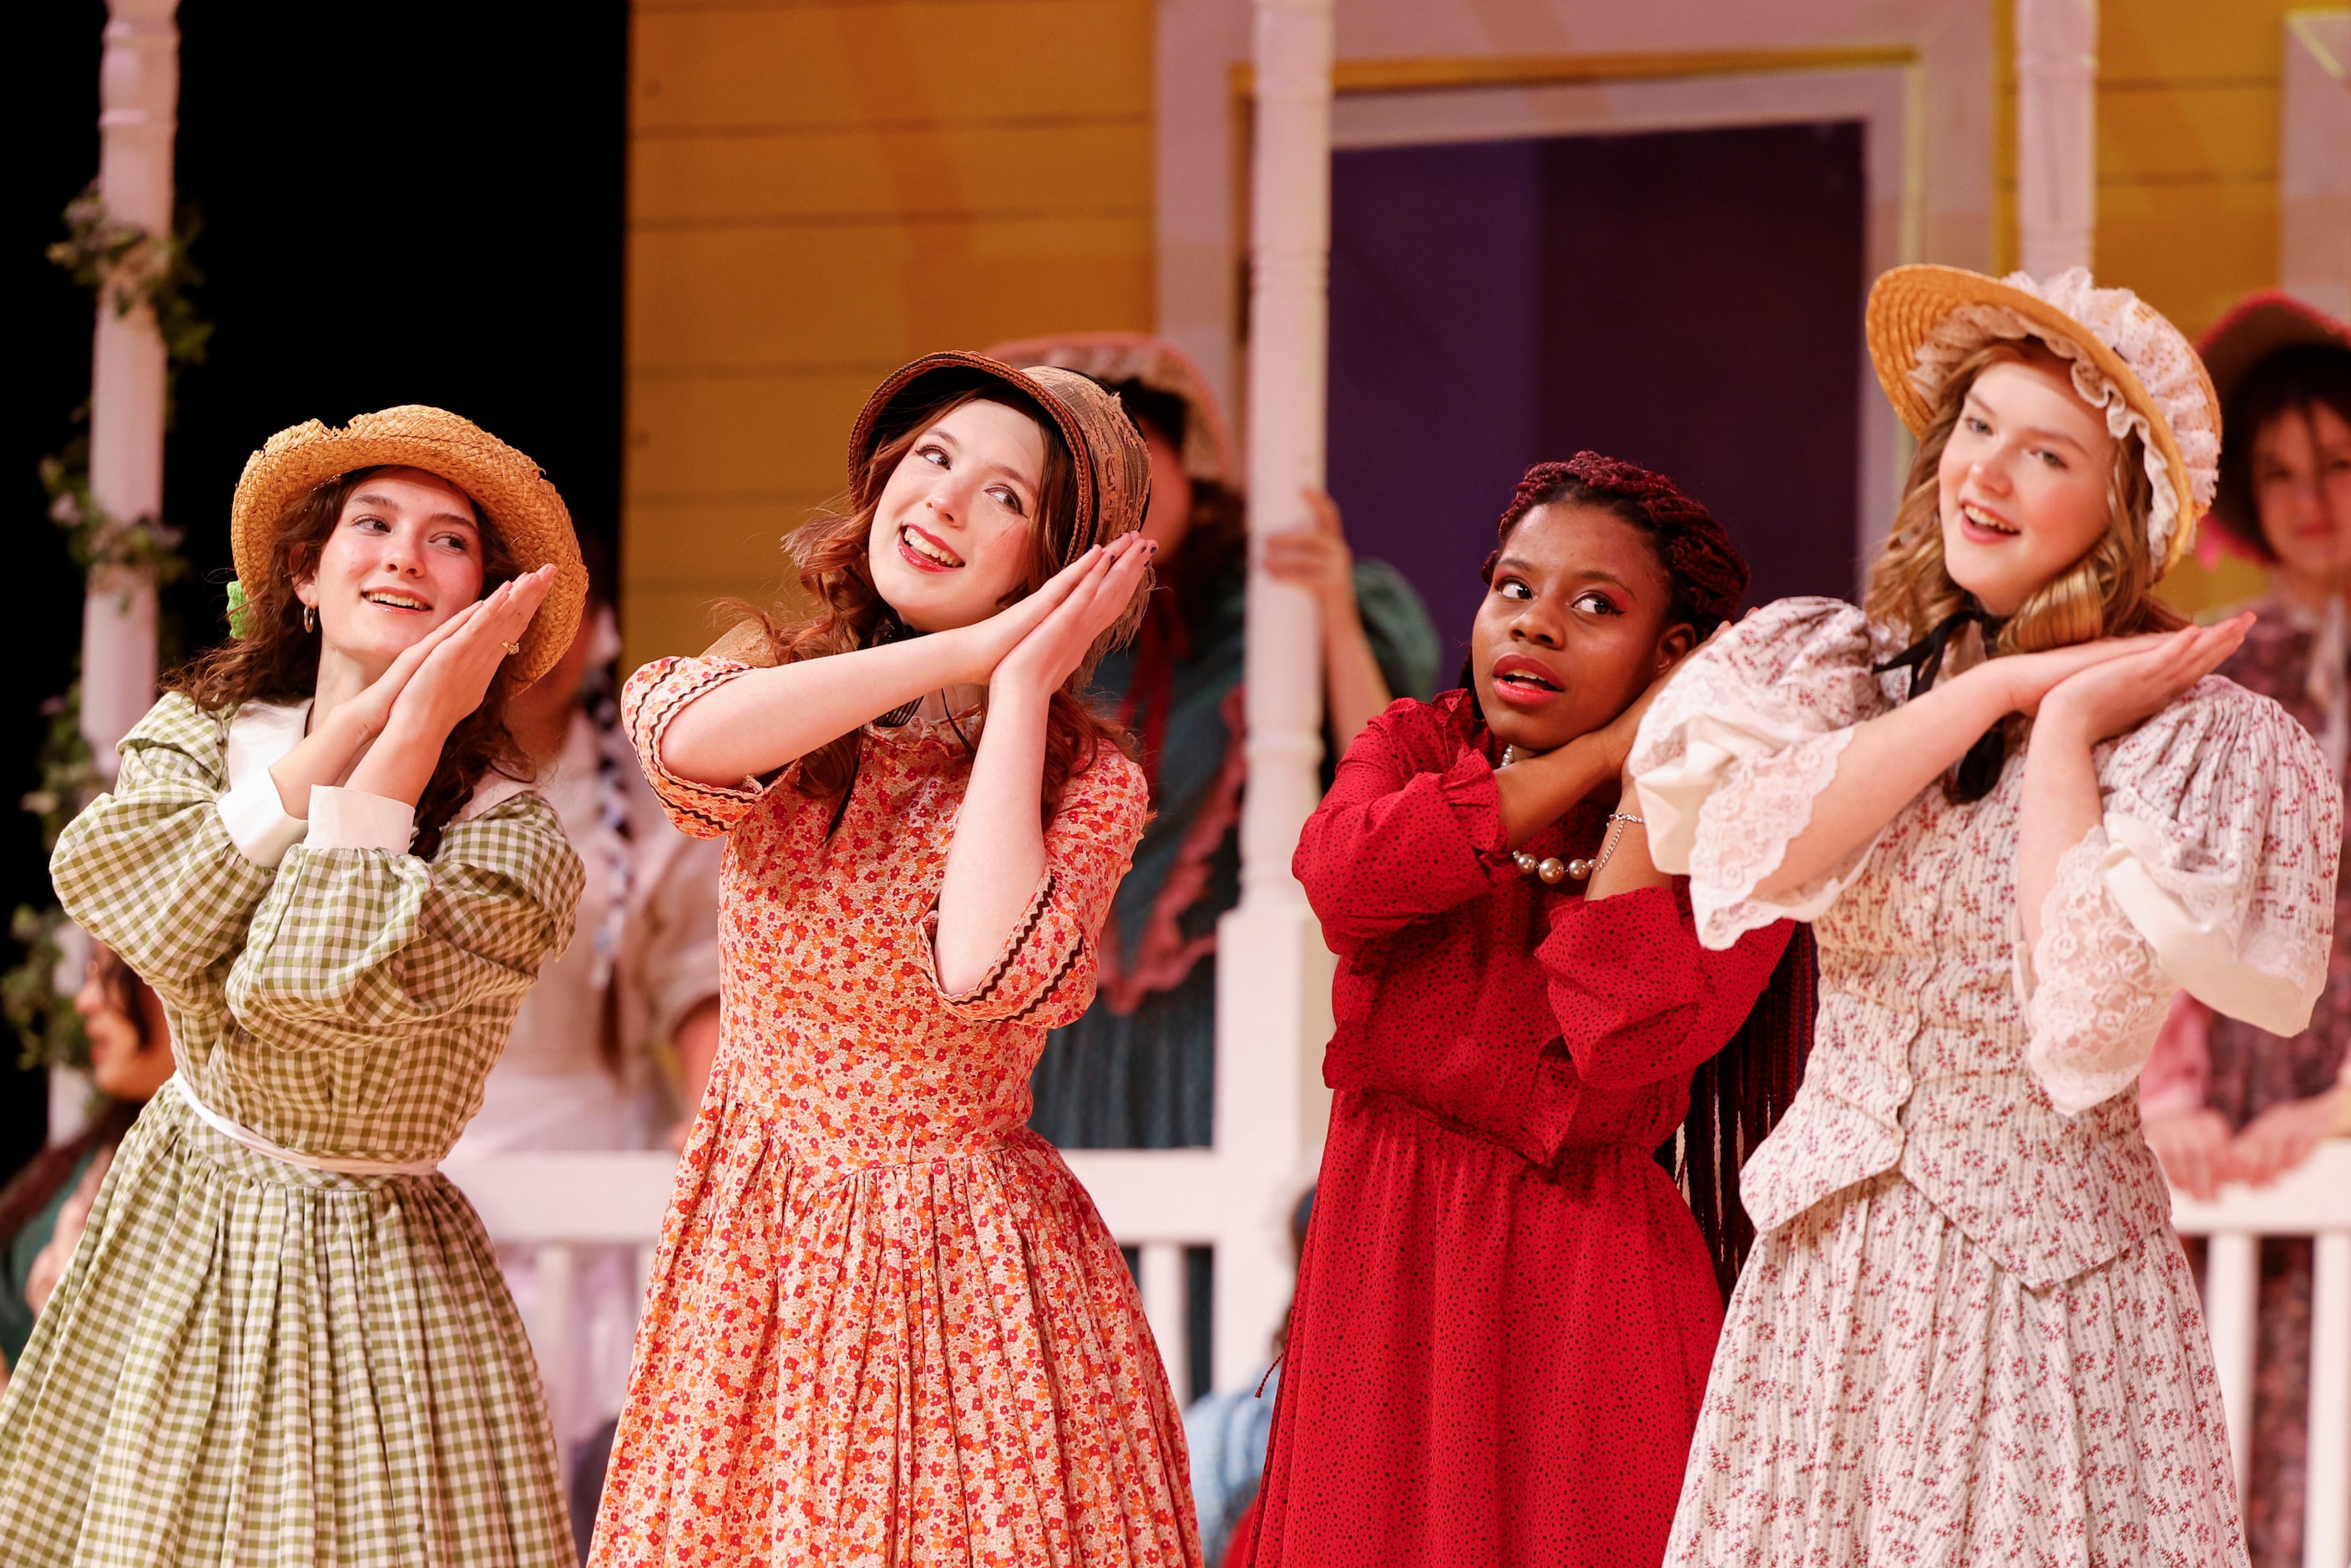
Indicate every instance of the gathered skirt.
{"type": "Point", "coordinates": [941, 1359]}
{"type": "Point", "coordinates": [1489, 1362]}
{"type": "Point", "coordinates": [1885, 1393]}
{"type": "Point", "coordinates": [249, 1364]}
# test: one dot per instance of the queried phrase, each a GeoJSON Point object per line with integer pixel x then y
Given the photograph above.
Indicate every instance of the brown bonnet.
{"type": "Point", "coordinates": [1111, 465]}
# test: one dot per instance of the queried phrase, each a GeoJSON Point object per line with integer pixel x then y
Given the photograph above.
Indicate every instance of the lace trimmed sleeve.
{"type": "Point", "coordinates": [1733, 752]}
{"type": "Point", "coordinates": [2213, 871]}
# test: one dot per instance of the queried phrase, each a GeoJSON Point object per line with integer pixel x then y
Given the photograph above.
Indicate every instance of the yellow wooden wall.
{"type": "Point", "coordinates": [820, 190]}
{"type": "Point", "coordinates": [2188, 97]}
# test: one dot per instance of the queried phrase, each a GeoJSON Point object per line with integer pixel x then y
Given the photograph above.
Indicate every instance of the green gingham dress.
{"type": "Point", "coordinates": [253, 1362]}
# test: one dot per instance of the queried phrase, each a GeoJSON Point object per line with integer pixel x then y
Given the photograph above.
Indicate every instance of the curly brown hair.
{"type": "Point", "coordinates": [830, 552]}
{"type": "Point", "coordinates": [2109, 592]}
{"type": "Point", "coordinates": [273, 659]}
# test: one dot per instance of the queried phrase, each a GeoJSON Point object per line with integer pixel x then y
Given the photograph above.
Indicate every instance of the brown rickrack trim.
{"type": "Point", "coordinates": [673, 703]}
{"type": "Point", "coordinates": [1054, 982]}
{"type": "Point", "coordinates": [1030, 920]}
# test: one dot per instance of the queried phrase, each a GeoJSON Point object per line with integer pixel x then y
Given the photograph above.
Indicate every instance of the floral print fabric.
{"type": "Point", "coordinates": [886, 1325]}
{"type": "Point", "coordinates": [1928, 1195]}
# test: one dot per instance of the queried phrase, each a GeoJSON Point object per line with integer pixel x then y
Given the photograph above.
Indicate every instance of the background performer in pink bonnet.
{"type": "Point", "coordinates": [886, 1323]}
{"type": "Point", "coordinates": [2020, 815]}
{"type": "Point", "coordinates": [2224, 1099]}
{"type": "Point", "coordinates": [1505, 1310]}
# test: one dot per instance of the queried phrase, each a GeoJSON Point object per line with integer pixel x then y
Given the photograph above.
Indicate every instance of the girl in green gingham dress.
{"type": "Point", "coordinates": [284, 1340]}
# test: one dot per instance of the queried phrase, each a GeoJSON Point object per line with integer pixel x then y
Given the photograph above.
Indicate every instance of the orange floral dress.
{"type": "Point", "coordinates": [886, 1323]}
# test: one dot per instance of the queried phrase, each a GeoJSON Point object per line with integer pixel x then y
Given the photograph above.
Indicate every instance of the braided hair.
{"type": "Point", "coordinates": [1707, 573]}
{"type": "Point", "coordinates": [1738, 1094]}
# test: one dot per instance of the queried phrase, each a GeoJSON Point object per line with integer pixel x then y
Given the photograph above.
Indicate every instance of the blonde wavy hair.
{"type": "Point", "coordinates": [2109, 592]}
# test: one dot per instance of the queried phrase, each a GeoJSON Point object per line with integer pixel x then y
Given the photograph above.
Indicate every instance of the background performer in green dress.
{"type": "Point", "coordinates": [283, 1338]}
{"type": "Point", "coordinates": [1138, 1071]}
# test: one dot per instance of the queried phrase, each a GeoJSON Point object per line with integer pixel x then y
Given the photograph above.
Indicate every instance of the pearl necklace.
{"type": "Point", "coordinates": [1551, 870]}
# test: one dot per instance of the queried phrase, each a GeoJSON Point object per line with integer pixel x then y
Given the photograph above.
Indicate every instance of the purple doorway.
{"type": "Point", "coordinates": [1688, 300]}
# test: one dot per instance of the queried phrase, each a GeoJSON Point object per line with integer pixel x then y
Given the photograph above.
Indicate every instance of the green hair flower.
{"type": "Point", "coordinates": [240, 619]}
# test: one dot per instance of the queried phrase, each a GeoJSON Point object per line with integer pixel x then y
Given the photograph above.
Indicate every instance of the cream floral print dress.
{"type": "Point", "coordinates": [1967, 1333]}
{"type": "Point", "coordinates": [250, 1361]}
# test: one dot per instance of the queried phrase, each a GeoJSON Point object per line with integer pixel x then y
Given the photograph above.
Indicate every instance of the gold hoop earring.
{"type": "Point", "coordinates": [309, 618]}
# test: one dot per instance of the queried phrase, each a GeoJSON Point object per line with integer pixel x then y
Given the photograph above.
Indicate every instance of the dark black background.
{"type": "Point", "coordinates": [417, 204]}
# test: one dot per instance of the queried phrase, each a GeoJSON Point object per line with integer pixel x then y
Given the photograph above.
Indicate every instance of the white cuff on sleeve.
{"type": "Point", "coordinates": [2200, 954]}
{"type": "Point", "coordinates": [255, 815]}
{"type": "Point", "coordinates": [344, 818]}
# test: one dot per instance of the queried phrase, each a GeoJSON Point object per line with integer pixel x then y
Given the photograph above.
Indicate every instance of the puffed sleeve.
{"type": "Point", "coordinates": [149, 868]}
{"type": "Point", "coordinates": [1637, 1000]}
{"type": "Point", "coordinates": [1732, 753]}
{"type": "Point", "coordinates": [1412, 827]}
{"type": "Point", "coordinates": [352, 946]}
{"type": "Point", "coordinates": [1045, 975]}
{"type": "Point", "coordinates": [2213, 870]}
{"type": "Point", "coordinates": [650, 700]}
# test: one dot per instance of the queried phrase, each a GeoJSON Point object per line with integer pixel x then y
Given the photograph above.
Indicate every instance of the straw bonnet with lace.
{"type": "Point", "coordinates": [2125, 360]}
{"type": "Point", "coordinates": [508, 487]}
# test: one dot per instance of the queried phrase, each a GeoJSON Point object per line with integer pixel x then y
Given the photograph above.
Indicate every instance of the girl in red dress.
{"type": "Point", "coordinates": [1506, 1311]}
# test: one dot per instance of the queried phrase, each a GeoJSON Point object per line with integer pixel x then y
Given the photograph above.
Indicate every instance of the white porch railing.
{"type": "Point", "coordinates": [2314, 1201]}
{"type": "Point", "coordinates": [1157, 1202]}
{"type": "Point", "coordinates": [1153, 1201]}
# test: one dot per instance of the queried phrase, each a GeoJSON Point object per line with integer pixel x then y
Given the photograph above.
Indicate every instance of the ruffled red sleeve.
{"type": "Point", "coordinates": [1412, 827]}
{"type": "Point", "coordinates": [1639, 999]}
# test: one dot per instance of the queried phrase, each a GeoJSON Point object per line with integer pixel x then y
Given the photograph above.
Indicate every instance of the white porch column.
{"type": "Point", "coordinates": [2056, 133]}
{"type": "Point", "coordinates": [1273, 1001]}
{"type": "Point", "coordinates": [2315, 161]}
{"type": "Point", "coordinates": [139, 86]}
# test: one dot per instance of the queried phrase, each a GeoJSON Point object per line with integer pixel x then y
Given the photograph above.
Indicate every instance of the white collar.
{"type": "Point", "coordinates": [259, 734]}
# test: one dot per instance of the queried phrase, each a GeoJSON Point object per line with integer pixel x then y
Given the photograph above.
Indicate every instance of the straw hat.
{"type": "Point", "coordinates": [2126, 358]}
{"type": "Point", "coordinates": [1112, 466]}
{"type": "Point", "coordinates": [507, 486]}
{"type": "Point", "coordinates": [1114, 358]}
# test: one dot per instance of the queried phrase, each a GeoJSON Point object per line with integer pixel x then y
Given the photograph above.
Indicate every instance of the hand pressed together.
{"type": "Point", "coordinates": [463, 655]}
{"type": "Point", "coordinates": [2115, 694]}
{"type": "Point", "coordinates": [1083, 601]}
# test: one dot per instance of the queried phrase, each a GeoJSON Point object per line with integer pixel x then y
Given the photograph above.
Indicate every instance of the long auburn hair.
{"type": "Point", "coordinates": [275, 660]}
{"type": "Point", "coordinates": [850, 613]}
{"type": "Point", "coordinates": [2109, 592]}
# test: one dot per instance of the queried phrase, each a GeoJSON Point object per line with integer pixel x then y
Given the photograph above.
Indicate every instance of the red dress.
{"type": "Point", "coordinates": [1505, 1312]}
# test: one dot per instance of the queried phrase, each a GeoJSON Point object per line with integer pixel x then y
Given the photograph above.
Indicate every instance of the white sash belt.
{"type": "Point", "coordinates": [284, 1156]}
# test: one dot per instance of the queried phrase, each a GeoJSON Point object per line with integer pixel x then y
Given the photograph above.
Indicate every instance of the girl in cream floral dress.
{"type": "Point", "coordinates": [1967, 1332]}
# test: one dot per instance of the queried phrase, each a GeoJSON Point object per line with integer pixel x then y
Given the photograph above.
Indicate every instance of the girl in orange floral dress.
{"type": "Point", "coordinates": [886, 1325]}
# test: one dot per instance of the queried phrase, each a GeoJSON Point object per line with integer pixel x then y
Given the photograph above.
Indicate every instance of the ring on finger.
{"type": "Point", "coordinates": [511, 647]}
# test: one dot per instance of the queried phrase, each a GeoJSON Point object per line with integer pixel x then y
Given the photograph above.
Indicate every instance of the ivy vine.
{"type": "Point", "coordinates": [126, 267]}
